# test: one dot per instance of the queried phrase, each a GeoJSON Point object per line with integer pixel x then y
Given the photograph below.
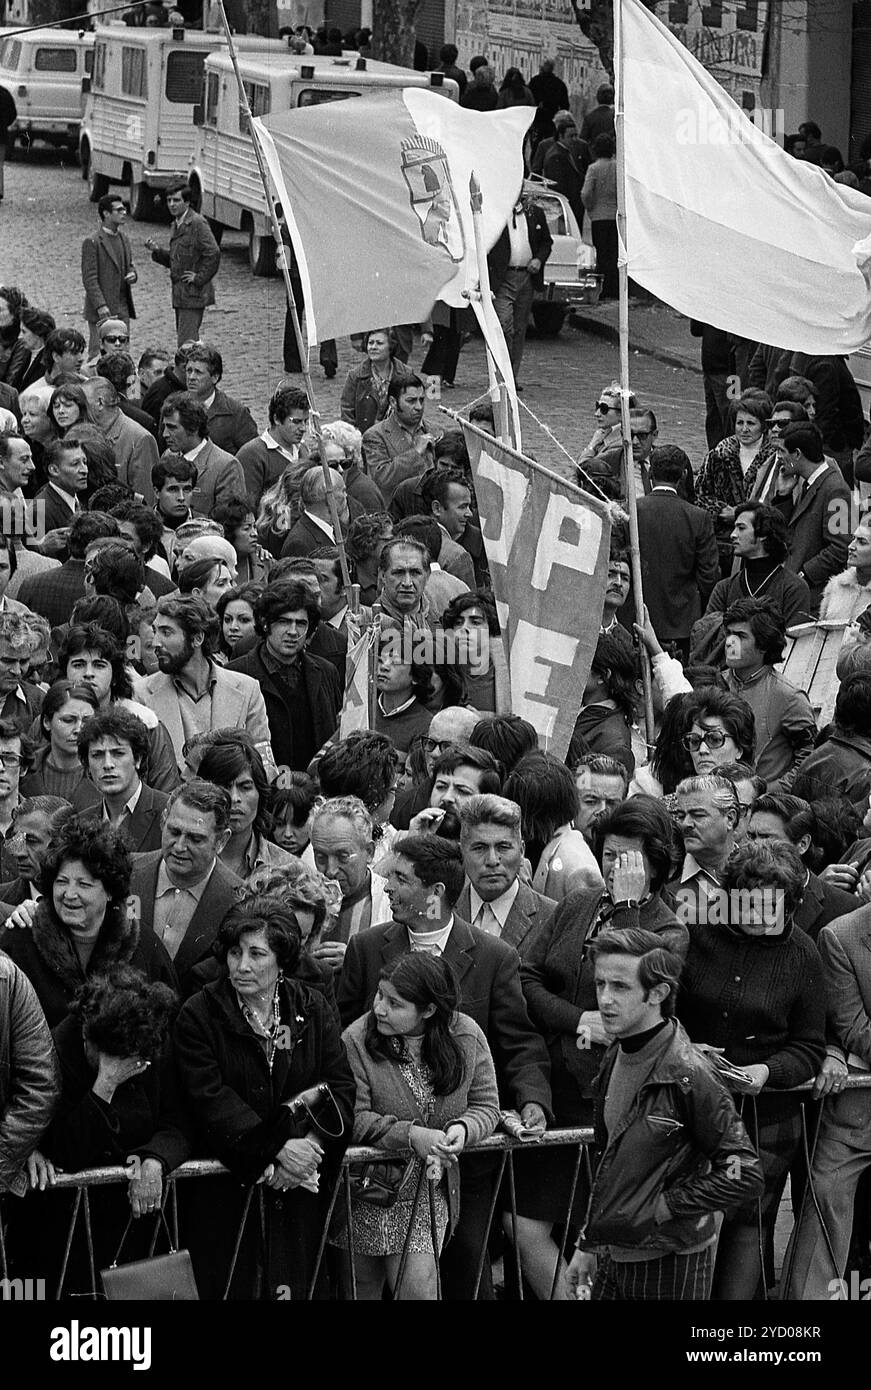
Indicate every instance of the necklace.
{"type": "Point", "coordinates": [753, 592]}
{"type": "Point", "coordinates": [268, 1031]}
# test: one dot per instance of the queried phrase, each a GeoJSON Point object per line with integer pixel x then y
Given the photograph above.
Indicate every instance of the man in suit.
{"type": "Point", "coordinates": [116, 365]}
{"type": "Point", "coordinates": [820, 522]}
{"type": "Point", "coordinates": [107, 270]}
{"type": "Point", "coordinates": [33, 823]}
{"type": "Point", "coordinates": [193, 257]}
{"type": "Point", "coordinates": [516, 266]}
{"type": "Point", "coordinates": [113, 747]}
{"type": "Point", "coordinates": [230, 422]}
{"type": "Point", "coordinates": [447, 497]}
{"type": "Point", "coordinates": [60, 500]}
{"type": "Point", "coordinates": [493, 897]}
{"type": "Point", "coordinates": [566, 162]}
{"type": "Point", "coordinates": [302, 692]}
{"type": "Point", "coordinates": [423, 884]}
{"type": "Point", "coordinates": [184, 423]}
{"type": "Point", "coordinates": [678, 577]}
{"type": "Point", "coordinates": [342, 846]}
{"type": "Point", "coordinates": [134, 447]}
{"type": "Point", "coordinates": [399, 446]}
{"type": "Point", "coordinates": [315, 526]}
{"type": "Point", "coordinates": [190, 694]}
{"type": "Point", "coordinates": [55, 594]}
{"type": "Point", "coordinates": [645, 433]}
{"type": "Point", "coordinates": [182, 890]}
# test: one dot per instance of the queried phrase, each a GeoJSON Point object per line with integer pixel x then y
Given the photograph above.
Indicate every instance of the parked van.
{"type": "Point", "coordinates": [137, 127]}
{"type": "Point", "coordinates": [43, 73]}
{"type": "Point", "coordinates": [223, 170]}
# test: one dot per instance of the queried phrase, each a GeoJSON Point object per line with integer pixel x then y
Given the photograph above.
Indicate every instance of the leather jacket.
{"type": "Point", "coordinates": [681, 1140]}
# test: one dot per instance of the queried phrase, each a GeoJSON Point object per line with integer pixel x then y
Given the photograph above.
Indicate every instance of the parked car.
{"type": "Point", "coordinates": [570, 276]}
{"type": "Point", "coordinates": [43, 72]}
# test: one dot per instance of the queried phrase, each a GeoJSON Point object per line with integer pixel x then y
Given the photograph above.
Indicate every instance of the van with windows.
{"type": "Point", "coordinates": [43, 73]}
{"type": "Point", "coordinates": [137, 127]}
{"type": "Point", "coordinates": [223, 171]}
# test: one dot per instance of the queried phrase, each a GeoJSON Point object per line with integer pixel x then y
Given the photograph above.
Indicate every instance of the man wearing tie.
{"type": "Point", "coordinates": [493, 898]}
{"type": "Point", "coordinates": [182, 890]}
{"type": "Point", "coordinates": [58, 502]}
{"type": "Point", "coordinates": [516, 266]}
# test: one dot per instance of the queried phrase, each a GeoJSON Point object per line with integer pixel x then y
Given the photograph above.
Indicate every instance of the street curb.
{"type": "Point", "coordinates": [598, 328]}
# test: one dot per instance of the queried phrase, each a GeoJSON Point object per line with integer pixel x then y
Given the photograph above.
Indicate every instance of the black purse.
{"type": "Point", "coordinates": [159, 1278]}
{"type": "Point", "coordinates": [315, 1105]}
{"type": "Point", "coordinates": [381, 1184]}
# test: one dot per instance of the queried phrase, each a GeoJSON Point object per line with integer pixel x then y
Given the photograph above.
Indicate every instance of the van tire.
{"type": "Point", "coordinates": [141, 200]}
{"type": "Point", "coordinates": [98, 184]}
{"type": "Point", "coordinates": [548, 319]}
{"type": "Point", "coordinates": [261, 253]}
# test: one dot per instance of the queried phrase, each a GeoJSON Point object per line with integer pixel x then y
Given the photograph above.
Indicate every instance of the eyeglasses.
{"type": "Point", "coordinates": [10, 759]}
{"type": "Point", "coordinates": [641, 434]}
{"type": "Point", "coordinates": [431, 745]}
{"type": "Point", "coordinates": [713, 739]}
{"type": "Point", "coordinates": [114, 338]}
{"type": "Point", "coordinates": [604, 405]}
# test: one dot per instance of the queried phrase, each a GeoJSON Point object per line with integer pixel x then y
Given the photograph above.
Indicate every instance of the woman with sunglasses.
{"type": "Point", "coordinates": [607, 434]}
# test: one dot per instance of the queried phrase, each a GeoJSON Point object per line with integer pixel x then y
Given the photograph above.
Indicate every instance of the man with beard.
{"type": "Point", "coordinates": [190, 694]}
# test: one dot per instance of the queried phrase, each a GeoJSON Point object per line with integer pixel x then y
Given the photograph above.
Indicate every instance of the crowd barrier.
{"type": "Point", "coordinates": [501, 1145]}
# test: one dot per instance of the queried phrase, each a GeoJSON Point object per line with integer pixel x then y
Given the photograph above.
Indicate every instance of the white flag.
{"type": "Point", "coordinates": [355, 708]}
{"type": "Point", "coordinates": [721, 222]}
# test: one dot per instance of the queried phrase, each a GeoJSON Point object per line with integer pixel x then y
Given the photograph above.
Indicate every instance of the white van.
{"type": "Point", "coordinates": [223, 171]}
{"type": "Point", "coordinates": [138, 127]}
{"type": "Point", "coordinates": [43, 73]}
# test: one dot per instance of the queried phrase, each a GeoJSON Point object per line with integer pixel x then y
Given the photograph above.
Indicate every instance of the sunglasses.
{"type": "Point", "coordinates": [114, 338]}
{"type": "Point", "coordinates": [641, 434]}
{"type": "Point", "coordinates": [713, 739]}
{"type": "Point", "coordinates": [603, 405]}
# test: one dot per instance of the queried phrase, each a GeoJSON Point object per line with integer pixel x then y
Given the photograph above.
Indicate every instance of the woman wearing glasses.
{"type": "Point", "coordinates": [729, 473]}
{"type": "Point", "coordinates": [607, 434]}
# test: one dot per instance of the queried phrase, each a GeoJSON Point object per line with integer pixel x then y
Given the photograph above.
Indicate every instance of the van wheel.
{"type": "Point", "coordinates": [141, 201]}
{"type": "Point", "coordinates": [549, 319]}
{"type": "Point", "coordinates": [261, 253]}
{"type": "Point", "coordinates": [98, 184]}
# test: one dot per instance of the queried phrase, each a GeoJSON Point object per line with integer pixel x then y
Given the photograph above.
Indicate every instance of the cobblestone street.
{"type": "Point", "coordinates": [46, 214]}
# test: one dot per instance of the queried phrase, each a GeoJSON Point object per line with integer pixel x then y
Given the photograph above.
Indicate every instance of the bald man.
{"type": "Point", "coordinates": [315, 525]}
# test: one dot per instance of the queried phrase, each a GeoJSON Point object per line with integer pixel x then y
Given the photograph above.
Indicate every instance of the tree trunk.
{"type": "Point", "coordinates": [597, 25]}
{"type": "Point", "coordinates": [393, 31]}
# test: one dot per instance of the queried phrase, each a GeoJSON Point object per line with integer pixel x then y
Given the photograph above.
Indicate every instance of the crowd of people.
{"type": "Point", "coordinates": [232, 929]}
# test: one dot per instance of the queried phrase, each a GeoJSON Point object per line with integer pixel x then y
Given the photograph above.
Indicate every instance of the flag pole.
{"type": "Point", "coordinates": [352, 590]}
{"type": "Point", "coordinates": [623, 327]}
{"type": "Point", "coordinates": [476, 199]}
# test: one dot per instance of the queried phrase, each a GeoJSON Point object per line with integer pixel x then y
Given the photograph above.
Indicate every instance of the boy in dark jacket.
{"type": "Point", "coordinates": [672, 1149]}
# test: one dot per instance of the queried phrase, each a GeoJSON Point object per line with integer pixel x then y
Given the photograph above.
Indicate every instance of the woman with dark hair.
{"type": "Point", "coordinates": [752, 988]}
{"type": "Point", "coordinates": [246, 1046]}
{"type": "Point", "coordinates": [729, 473]}
{"type": "Point", "coordinates": [425, 1082]}
{"type": "Point", "coordinates": [292, 806]}
{"type": "Point", "coordinates": [514, 91]}
{"type": "Point", "coordinates": [235, 610]}
{"type": "Point", "coordinates": [367, 536]}
{"type": "Point", "coordinates": [253, 561]}
{"type": "Point", "coordinates": [83, 923]}
{"type": "Point", "coordinates": [57, 769]}
{"type": "Point", "coordinates": [561, 859]}
{"type": "Point", "coordinates": [364, 394]}
{"type": "Point", "coordinates": [14, 356]}
{"type": "Point", "coordinates": [405, 691]}
{"type": "Point", "coordinates": [604, 724]}
{"type": "Point", "coordinates": [599, 197]}
{"type": "Point", "coordinates": [68, 406]}
{"type": "Point", "coordinates": [365, 765]}
{"type": "Point", "coordinates": [479, 654]}
{"type": "Point", "coordinates": [232, 761]}
{"type": "Point", "coordinates": [36, 325]}
{"type": "Point", "coordinates": [635, 845]}
{"type": "Point", "coordinates": [119, 1106]}
{"type": "Point", "coordinates": [701, 731]}
{"type": "Point", "coordinates": [207, 579]}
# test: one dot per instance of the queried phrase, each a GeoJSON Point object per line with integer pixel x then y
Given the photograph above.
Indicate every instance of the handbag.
{"type": "Point", "coordinates": [157, 1279]}
{"type": "Point", "coordinates": [380, 1184]}
{"type": "Point", "coordinates": [315, 1104]}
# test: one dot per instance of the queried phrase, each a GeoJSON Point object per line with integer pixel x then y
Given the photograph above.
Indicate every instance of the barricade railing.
{"type": "Point", "coordinates": [502, 1146]}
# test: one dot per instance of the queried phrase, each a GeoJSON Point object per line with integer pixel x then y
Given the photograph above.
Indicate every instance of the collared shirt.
{"type": "Point", "coordinates": [518, 236]}
{"type": "Point", "coordinates": [69, 497]}
{"type": "Point", "coordinates": [192, 454]}
{"type": "Point", "coordinates": [292, 455]}
{"type": "Point", "coordinates": [10, 702]}
{"type": "Point", "coordinates": [698, 888]}
{"type": "Point", "coordinates": [817, 473]}
{"type": "Point", "coordinates": [338, 618]}
{"type": "Point", "coordinates": [434, 941]}
{"type": "Point", "coordinates": [493, 914]}
{"type": "Point", "coordinates": [209, 401]}
{"type": "Point", "coordinates": [128, 809]}
{"type": "Point", "coordinates": [175, 906]}
{"type": "Point", "coordinates": [195, 711]}
{"type": "Point", "coordinates": [322, 525]}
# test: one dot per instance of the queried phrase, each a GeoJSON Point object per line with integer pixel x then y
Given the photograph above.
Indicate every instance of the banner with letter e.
{"type": "Point", "coordinates": [547, 547]}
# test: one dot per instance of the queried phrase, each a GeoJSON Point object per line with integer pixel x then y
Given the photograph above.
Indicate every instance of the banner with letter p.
{"type": "Point", "coordinates": [547, 547]}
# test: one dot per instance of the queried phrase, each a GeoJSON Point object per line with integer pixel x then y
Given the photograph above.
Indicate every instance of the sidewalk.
{"type": "Point", "coordinates": [654, 329]}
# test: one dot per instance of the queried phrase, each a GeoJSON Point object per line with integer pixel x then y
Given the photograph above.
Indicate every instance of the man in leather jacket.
{"type": "Point", "coordinates": [672, 1150]}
